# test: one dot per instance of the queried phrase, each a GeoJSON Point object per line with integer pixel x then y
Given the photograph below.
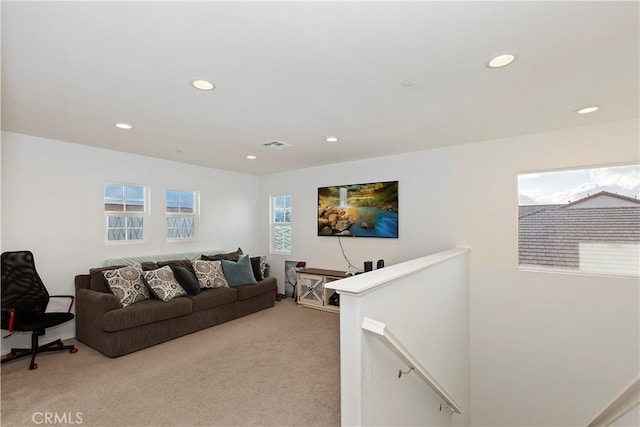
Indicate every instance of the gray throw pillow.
{"type": "Point", "coordinates": [238, 273]}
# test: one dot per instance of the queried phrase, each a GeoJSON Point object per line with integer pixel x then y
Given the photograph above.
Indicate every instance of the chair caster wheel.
{"type": "Point", "coordinates": [34, 366]}
{"type": "Point", "coordinates": [73, 350]}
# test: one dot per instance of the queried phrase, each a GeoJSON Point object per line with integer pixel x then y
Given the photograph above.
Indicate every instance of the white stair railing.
{"type": "Point", "coordinates": [380, 330]}
{"type": "Point", "coordinates": [628, 399]}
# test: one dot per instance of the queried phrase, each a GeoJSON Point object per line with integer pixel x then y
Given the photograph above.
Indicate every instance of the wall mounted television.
{"type": "Point", "coordinates": [359, 210]}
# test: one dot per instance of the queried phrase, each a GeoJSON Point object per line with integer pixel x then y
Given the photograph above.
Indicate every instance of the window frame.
{"type": "Point", "coordinates": [563, 270]}
{"type": "Point", "coordinates": [273, 224]}
{"type": "Point", "coordinates": [195, 215]}
{"type": "Point", "coordinates": [143, 215]}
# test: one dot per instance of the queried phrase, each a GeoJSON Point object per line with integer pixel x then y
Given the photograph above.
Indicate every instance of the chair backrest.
{"type": "Point", "coordinates": [22, 288]}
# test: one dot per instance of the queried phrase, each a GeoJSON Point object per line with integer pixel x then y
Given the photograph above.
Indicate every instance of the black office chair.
{"type": "Point", "coordinates": [24, 301]}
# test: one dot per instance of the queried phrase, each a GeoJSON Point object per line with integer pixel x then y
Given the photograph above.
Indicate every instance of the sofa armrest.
{"type": "Point", "coordinates": [91, 307]}
{"type": "Point", "coordinates": [96, 302]}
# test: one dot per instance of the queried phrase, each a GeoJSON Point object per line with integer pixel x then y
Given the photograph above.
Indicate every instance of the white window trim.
{"type": "Point", "coordinates": [144, 215]}
{"type": "Point", "coordinates": [195, 215]}
{"type": "Point", "coordinates": [273, 225]}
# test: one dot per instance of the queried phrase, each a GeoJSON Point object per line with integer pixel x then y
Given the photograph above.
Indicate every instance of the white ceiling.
{"type": "Point", "coordinates": [298, 72]}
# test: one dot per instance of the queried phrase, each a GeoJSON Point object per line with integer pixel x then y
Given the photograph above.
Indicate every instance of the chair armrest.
{"type": "Point", "coordinates": [12, 318]}
{"type": "Point", "coordinates": [65, 296]}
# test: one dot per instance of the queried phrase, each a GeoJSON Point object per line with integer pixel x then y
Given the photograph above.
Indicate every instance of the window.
{"type": "Point", "coordinates": [125, 208]}
{"type": "Point", "coordinates": [182, 214]}
{"type": "Point", "coordinates": [281, 224]}
{"type": "Point", "coordinates": [585, 220]}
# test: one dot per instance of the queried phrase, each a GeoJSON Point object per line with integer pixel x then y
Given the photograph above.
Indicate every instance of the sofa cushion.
{"type": "Point", "coordinates": [163, 283]}
{"type": "Point", "coordinates": [268, 285]}
{"type": "Point", "coordinates": [209, 274]}
{"type": "Point", "coordinates": [126, 284]}
{"type": "Point", "coordinates": [145, 312]}
{"type": "Point", "coordinates": [187, 279]}
{"type": "Point", "coordinates": [231, 256]}
{"type": "Point", "coordinates": [238, 273]}
{"type": "Point", "coordinates": [210, 298]}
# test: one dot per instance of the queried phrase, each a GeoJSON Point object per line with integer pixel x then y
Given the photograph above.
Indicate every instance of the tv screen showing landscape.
{"type": "Point", "coordinates": [359, 210]}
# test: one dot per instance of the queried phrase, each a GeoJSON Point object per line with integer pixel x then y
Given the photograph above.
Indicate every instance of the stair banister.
{"type": "Point", "coordinates": [380, 330]}
{"type": "Point", "coordinates": [624, 402]}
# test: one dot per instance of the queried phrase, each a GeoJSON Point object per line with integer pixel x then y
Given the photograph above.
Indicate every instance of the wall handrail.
{"type": "Point", "coordinates": [628, 399]}
{"type": "Point", "coordinates": [380, 330]}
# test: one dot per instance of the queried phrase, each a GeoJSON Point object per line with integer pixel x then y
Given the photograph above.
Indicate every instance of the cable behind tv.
{"type": "Point", "coordinates": [345, 257]}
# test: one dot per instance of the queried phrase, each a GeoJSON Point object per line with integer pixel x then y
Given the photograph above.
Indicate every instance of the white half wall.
{"type": "Point", "coordinates": [52, 204]}
{"type": "Point", "coordinates": [423, 304]}
{"type": "Point", "coordinates": [547, 349]}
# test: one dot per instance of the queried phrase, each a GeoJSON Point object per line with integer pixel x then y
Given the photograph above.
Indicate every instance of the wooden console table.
{"type": "Point", "coordinates": [310, 289]}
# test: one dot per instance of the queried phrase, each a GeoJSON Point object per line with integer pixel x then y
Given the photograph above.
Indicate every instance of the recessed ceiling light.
{"type": "Point", "coordinates": [331, 139]}
{"type": "Point", "coordinates": [125, 126]}
{"type": "Point", "coordinates": [203, 85]}
{"type": "Point", "coordinates": [587, 110]}
{"type": "Point", "coordinates": [251, 157]}
{"type": "Point", "coordinates": [501, 60]}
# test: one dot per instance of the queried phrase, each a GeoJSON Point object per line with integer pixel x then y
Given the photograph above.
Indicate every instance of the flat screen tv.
{"type": "Point", "coordinates": [359, 210]}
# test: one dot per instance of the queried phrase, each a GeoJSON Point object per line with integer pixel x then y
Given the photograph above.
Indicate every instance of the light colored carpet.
{"type": "Point", "coordinates": [280, 366]}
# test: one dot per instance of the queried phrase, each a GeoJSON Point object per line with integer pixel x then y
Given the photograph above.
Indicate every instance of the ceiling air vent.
{"type": "Point", "coordinates": [276, 145]}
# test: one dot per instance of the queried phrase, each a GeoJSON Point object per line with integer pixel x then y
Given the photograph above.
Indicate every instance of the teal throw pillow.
{"type": "Point", "coordinates": [238, 273]}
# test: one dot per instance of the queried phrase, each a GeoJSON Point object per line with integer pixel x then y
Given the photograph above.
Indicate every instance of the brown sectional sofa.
{"type": "Point", "coordinates": [102, 323]}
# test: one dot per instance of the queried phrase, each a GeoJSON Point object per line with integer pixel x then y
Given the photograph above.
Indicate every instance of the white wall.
{"type": "Point", "coordinates": [425, 222]}
{"type": "Point", "coordinates": [52, 204]}
{"type": "Point", "coordinates": [546, 348]}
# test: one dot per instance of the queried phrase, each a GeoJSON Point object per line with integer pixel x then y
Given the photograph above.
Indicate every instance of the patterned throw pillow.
{"type": "Point", "coordinates": [263, 265]}
{"type": "Point", "coordinates": [258, 265]}
{"type": "Point", "coordinates": [126, 284]}
{"type": "Point", "coordinates": [163, 283]}
{"type": "Point", "coordinates": [210, 274]}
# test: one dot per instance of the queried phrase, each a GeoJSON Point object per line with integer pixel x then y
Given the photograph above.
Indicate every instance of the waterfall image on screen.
{"type": "Point", "coordinates": [359, 210]}
{"type": "Point", "coordinates": [343, 197]}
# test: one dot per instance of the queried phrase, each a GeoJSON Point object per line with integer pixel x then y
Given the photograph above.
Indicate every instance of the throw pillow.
{"type": "Point", "coordinates": [126, 284]}
{"type": "Point", "coordinates": [98, 282]}
{"type": "Point", "coordinates": [149, 265]}
{"type": "Point", "coordinates": [238, 273]}
{"type": "Point", "coordinates": [163, 283]}
{"type": "Point", "coordinates": [258, 264]}
{"type": "Point", "coordinates": [186, 263]}
{"type": "Point", "coordinates": [187, 279]}
{"type": "Point", "coordinates": [231, 256]}
{"type": "Point", "coordinates": [209, 274]}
